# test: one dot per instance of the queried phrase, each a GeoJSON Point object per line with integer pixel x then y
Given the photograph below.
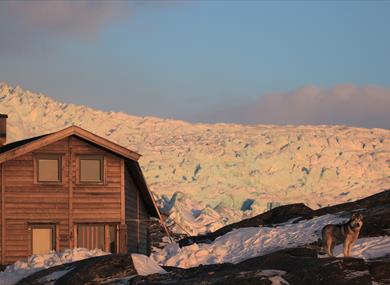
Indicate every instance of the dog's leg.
{"type": "Point", "coordinates": [332, 245]}
{"type": "Point", "coordinates": [350, 245]}
{"type": "Point", "coordinates": [328, 246]}
{"type": "Point", "coordinates": [347, 244]}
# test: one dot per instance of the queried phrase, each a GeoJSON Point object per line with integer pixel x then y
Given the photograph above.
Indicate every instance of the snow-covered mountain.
{"type": "Point", "coordinates": [225, 166]}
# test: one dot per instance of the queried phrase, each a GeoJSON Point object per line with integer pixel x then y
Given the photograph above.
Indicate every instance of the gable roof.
{"type": "Point", "coordinates": [18, 148]}
{"type": "Point", "coordinates": [16, 144]}
{"type": "Point", "coordinates": [15, 149]}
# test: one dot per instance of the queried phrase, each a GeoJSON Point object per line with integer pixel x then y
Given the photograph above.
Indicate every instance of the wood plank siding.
{"type": "Point", "coordinates": [24, 202]}
{"type": "Point", "coordinates": [137, 217]}
{"type": "Point", "coordinates": [28, 202]}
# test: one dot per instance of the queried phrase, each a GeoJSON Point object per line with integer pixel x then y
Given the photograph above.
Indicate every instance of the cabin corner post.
{"type": "Point", "coordinates": [71, 235]}
{"type": "Point", "coordinates": [2, 214]}
{"type": "Point", "coordinates": [123, 226]}
{"type": "Point", "coordinates": [122, 239]}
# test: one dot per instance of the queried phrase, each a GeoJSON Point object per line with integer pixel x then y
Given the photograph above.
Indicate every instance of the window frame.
{"type": "Point", "coordinates": [102, 168]}
{"type": "Point", "coordinates": [43, 225]}
{"type": "Point", "coordinates": [107, 226]}
{"type": "Point", "coordinates": [48, 156]}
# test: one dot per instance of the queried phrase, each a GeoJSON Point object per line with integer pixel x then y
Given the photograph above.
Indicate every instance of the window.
{"type": "Point", "coordinates": [48, 168]}
{"type": "Point", "coordinates": [102, 236]}
{"type": "Point", "coordinates": [91, 236]}
{"type": "Point", "coordinates": [42, 238]}
{"type": "Point", "coordinates": [91, 169]}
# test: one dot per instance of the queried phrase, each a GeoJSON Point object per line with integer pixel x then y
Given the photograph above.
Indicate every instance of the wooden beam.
{"type": "Point", "coordinates": [123, 201]}
{"type": "Point", "coordinates": [2, 213]}
{"type": "Point", "coordinates": [70, 193]}
{"type": "Point", "coordinates": [57, 237]}
{"type": "Point", "coordinates": [138, 239]}
{"type": "Point", "coordinates": [49, 139]}
{"type": "Point", "coordinates": [106, 238]}
{"type": "Point", "coordinates": [75, 236]}
{"type": "Point", "coordinates": [73, 130]}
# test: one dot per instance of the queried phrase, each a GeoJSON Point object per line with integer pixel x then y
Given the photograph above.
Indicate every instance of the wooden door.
{"type": "Point", "coordinates": [43, 239]}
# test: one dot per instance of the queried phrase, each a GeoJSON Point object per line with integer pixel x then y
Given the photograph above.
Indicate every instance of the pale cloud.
{"type": "Point", "coordinates": [26, 25]}
{"type": "Point", "coordinates": [348, 104]}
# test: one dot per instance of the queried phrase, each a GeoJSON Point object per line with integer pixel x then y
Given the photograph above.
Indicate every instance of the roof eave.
{"type": "Point", "coordinates": [72, 130]}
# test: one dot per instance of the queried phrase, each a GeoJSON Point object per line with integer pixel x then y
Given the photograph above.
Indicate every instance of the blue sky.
{"type": "Point", "coordinates": [194, 60]}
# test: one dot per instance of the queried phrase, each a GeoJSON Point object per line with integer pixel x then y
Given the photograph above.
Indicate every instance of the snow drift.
{"type": "Point", "coordinates": [245, 243]}
{"type": "Point", "coordinates": [22, 268]}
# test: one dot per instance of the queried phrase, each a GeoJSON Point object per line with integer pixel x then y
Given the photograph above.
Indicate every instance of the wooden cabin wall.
{"type": "Point", "coordinates": [25, 201]}
{"type": "Point", "coordinates": [28, 202]}
{"type": "Point", "coordinates": [93, 202]}
{"type": "Point", "coordinates": [136, 217]}
{"type": "Point", "coordinates": [144, 242]}
{"type": "Point", "coordinates": [131, 212]}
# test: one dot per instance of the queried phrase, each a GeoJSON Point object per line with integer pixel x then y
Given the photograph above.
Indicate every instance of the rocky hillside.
{"type": "Point", "coordinates": [226, 165]}
{"type": "Point", "coordinates": [277, 247]}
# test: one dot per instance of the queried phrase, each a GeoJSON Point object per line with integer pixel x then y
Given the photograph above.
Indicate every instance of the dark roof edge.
{"type": "Point", "coordinates": [15, 144]}
{"type": "Point", "coordinates": [71, 130]}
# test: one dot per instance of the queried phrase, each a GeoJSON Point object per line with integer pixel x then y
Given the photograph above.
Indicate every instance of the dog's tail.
{"type": "Point", "coordinates": [320, 235]}
{"type": "Point", "coordinates": [321, 246]}
{"type": "Point", "coordinates": [320, 242]}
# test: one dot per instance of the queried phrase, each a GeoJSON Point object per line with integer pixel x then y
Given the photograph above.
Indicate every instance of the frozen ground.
{"type": "Point", "coordinates": [143, 264]}
{"type": "Point", "coordinates": [22, 268]}
{"type": "Point", "coordinates": [367, 248]}
{"type": "Point", "coordinates": [245, 243]}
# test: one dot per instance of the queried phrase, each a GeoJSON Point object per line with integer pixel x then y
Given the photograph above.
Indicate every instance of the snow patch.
{"type": "Point", "coordinates": [367, 248]}
{"type": "Point", "coordinates": [245, 243]}
{"type": "Point", "coordinates": [275, 276]}
{"type": "Point", "coordinates": [22, 268]}
{"type": "Point", "coordinates": [145, 265]}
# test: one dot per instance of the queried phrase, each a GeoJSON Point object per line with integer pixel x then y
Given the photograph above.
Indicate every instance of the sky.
{"type": "Point", "coordinates": [282, 62]}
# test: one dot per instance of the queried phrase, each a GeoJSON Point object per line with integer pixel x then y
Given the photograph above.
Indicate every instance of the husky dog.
{"type": "Point", "coordinates": [347, 233]}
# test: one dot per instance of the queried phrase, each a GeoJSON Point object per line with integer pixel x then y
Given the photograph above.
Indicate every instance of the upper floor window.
{"type": "Point", "coordinates": [91, 169]}
{"type": "Point", "coordinates": [48, 168]}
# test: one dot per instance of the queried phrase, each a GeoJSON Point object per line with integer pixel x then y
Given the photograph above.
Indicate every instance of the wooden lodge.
{"type": "Point", "coordinates": [70, 189]}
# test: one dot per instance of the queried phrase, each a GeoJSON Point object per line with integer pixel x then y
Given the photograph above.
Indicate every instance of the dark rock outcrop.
{"type": "Point", "coordinates": [88, 271]}
{"type": "Point", "coordinates": [295, 265]}
{"type": "Point", "coordinates": [301, 266]}
{"type": "Point", "coordinates": [375, 209]}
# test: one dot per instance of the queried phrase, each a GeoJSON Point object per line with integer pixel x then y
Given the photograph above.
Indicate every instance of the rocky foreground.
{"type": "Point", "coordinates": [291, 266]}
{"type": "Point", "coordinates": [295, 265]}
{"type": "Point", "coordinates": [375, 209]}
